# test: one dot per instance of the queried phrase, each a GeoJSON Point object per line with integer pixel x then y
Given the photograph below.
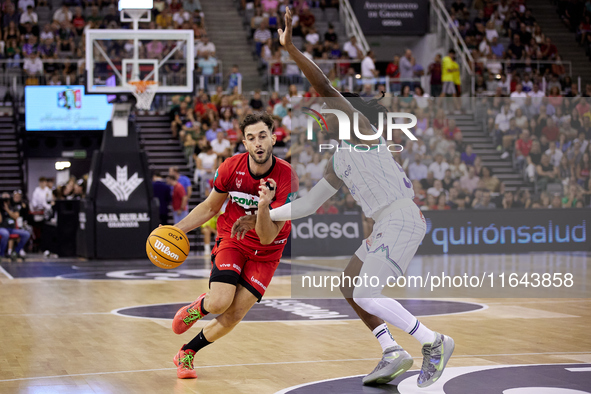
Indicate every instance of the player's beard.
{"type": "Point", "coordinates": [266, 156]}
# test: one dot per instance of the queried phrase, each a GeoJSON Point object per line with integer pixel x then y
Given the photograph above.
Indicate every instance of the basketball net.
{"type": "Point", "coordinates": [144, 92]}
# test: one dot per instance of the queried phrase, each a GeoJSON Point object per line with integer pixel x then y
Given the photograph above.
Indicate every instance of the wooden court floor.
{"type": "Point", "coordinates": [59, 335]}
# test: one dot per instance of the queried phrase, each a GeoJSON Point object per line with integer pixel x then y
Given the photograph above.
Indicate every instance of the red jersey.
{"type": "Point", "coordinates": [234, 177]}
{"type": "Point", "coordinates": [178, 192]}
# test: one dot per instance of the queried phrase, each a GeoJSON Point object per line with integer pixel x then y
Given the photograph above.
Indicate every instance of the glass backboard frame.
{"type": "Point", "coordinates": [187, 36]}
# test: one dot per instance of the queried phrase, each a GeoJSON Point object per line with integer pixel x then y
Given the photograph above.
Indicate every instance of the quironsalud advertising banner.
{"type": "Point", "coordinates": [506, 231]}
{"type": "Point", "coordinates": [392, 17]}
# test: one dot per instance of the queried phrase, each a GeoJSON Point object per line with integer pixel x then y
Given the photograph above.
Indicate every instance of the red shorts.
{"type": "Point", "coordinates": [231, 264]}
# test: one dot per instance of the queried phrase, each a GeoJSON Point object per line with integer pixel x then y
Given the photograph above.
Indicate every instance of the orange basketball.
{"type": "Point", "coordinates": [167, 247]}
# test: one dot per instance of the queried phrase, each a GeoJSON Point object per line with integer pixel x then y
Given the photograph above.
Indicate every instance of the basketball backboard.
{"type": "Point", "coordinates": [136, 4]}
{"type": "Point", "coordinates": [116, 57]}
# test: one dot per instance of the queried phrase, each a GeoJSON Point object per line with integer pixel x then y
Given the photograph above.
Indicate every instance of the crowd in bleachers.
{"type": "Point", "coordinates": [576, 15]}
{"type": "Point", "coordinates": [24, 219]}
{"type": "Point", "coordinates": [547, 139]}
{"type": "Point", "coordinates": [509, 47]}
{"type": "Point", "coordinates": [54, 31]}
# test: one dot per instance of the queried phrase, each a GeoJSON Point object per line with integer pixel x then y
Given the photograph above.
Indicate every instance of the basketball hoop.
{"type": "Point", "coordinates": [144, 92]}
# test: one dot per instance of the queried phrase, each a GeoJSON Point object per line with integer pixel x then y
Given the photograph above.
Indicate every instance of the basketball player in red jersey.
{"type": "Point", "coordinates": [255, 182]}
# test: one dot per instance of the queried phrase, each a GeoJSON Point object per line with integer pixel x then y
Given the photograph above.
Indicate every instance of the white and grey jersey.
{"type": "Point", "coordinates": [373, 177]}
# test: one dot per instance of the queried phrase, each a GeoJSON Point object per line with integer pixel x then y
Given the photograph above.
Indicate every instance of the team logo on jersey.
{"type": "Point", "coordinates": [240, 173]}
{"type": "Point", "coordinates": [238, 183]}
{"type": "Point", "coordinates": [348, 171]}
{"type": "Point", "coordinates": [122, 187]}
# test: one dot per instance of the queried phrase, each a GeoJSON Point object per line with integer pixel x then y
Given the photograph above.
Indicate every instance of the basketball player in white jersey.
{"type": "Point", "coordinates": [380, 186]}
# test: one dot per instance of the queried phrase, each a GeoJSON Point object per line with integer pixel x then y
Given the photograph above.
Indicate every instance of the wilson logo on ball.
{"type": "Point", "coordinates": [165, 249]}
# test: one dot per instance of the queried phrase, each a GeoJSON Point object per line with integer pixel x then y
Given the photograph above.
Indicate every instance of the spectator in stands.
{"type": "Point", "coordinates": [516, 50]}
{"type": "Point", "coordinates": [207, 66]}
{"type": "Point", "coordinates": [63, 14]}
{"type": "Point", "coordinates": [235, 78]}
{"type": "Point", "coordinates": [8, 225]}
{"type": "Point", "coordinates": [281, 134]}
{"type": "Point", "coordinates": [508, 201]}
{"type": "Point", "coordinates": [438, 167]}
{"type": "Point", "coordinates": [551, 131]}
{"type": "Point", "coordinates": [490, 181]}
{"type": "Point", "coordinates": [221, 147]}
{"type": "Point", "coordinates": [315, 169]}
{"type": "Point", "coordinates": [436, 189]}
{"type": "Point", "coordinates": [330, 35]}
{"type": "Point", "coordinates": [458, 167]}
{"type": "Point", "coordinates": [549, 50]}
{"type": "Point", "coordinates": [546, 173]}
{"type": "Point", "coordinates": [407, 63]}
{"type": "Point", "coordinates": [522, 147]}
{"type": "Point", "coordinates": [182, 179]}
{"type": "Point", "coordinates": [33, 65]}
{"type": "Point", "coordinates": [469, 182]}
{"type": "Point", "coordinates": [352, 49]}
{"type": "Point", "coordinates": [450, 75]}
{"type": "Point", "coordinates": [435, 72]}
{"type": "Point", "coordinates": [205, 46]}
{"type": "Point", "coordinates": [417, 170]}
{"type": "Point", "coordinates": [179, 199]}
{"type": "Point", "coordinates": [280, 109]}
{"type": "Point", "coordinates": [307, 20]}
{"type": "Point", "coordinates": [206, 164]}
{"type": "Point", "coordinates": [163, 193]}
{"type": "Point", "coordinates": [261, 36]}
{"type": "Point", "coordinates": [368, 68]}
{"type": "Point", "coordinates": [483, 200]}
{"type": "Point", "coordinates": [468, 156]}
{"type": "Point", "coordinates": [583, 170]}
{"type": "Point", "coordinates": [554, 154]}
{"type": "Point", "coordinates": [164, 19]}
{"type": "Point", "coordinates": [29, 16]}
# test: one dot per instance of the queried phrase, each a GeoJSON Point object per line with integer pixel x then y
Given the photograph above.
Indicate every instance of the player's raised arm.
{"type": "Point", "coordinates": [203, 212]}
{"type": "Point", "coordinates": [315, 76]}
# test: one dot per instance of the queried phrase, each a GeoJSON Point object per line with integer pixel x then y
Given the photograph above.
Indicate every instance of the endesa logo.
{"type": "Point", "coordinates": [310, 230]}
{"type": "Point", "coordinates": [345, 129]}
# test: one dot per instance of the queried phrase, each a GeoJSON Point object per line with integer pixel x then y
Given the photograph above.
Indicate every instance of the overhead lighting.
{"type": "Point", "coordinates": [62, 165]}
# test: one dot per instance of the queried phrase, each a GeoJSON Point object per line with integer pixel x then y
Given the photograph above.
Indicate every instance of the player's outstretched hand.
{"type": "Point", "coordinates": [242, 226]}
{"type": "Point", "coordinates": [285, 36]}
{"type": "Point", "coordinates": [267, 192]}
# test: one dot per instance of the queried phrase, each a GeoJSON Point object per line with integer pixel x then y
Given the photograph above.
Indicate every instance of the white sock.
{"type": "Point", "coordinates": [384, 336]}
{"type": "Point", "coordinates": [394, 313]}
{"type": "Point", "coordinates": [206, 249]}
{"type": "Point", "coordinates": [422, 333]}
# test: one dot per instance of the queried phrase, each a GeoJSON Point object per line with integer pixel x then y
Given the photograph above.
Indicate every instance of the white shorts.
{"type": "Point", "coordinates": [449, 88]}
{"type": "Point", "coordinates": [393, 241]}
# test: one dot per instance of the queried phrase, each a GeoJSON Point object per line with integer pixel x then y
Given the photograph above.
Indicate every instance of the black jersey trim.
{"type": "Point", "coordinates": [258, 177]}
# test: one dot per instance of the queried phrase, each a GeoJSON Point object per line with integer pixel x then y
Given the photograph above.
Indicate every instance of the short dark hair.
{"type": "Point", "coordinates": [42, 179]}
{"type": "Point", "coordinates": [372, 109]}
{"type": "Point", "coordinates": [255, 118]}
{"type": "Point", "coordinates": [451, 50]}
{"type": "Point", "coordinates": [171, 177]}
